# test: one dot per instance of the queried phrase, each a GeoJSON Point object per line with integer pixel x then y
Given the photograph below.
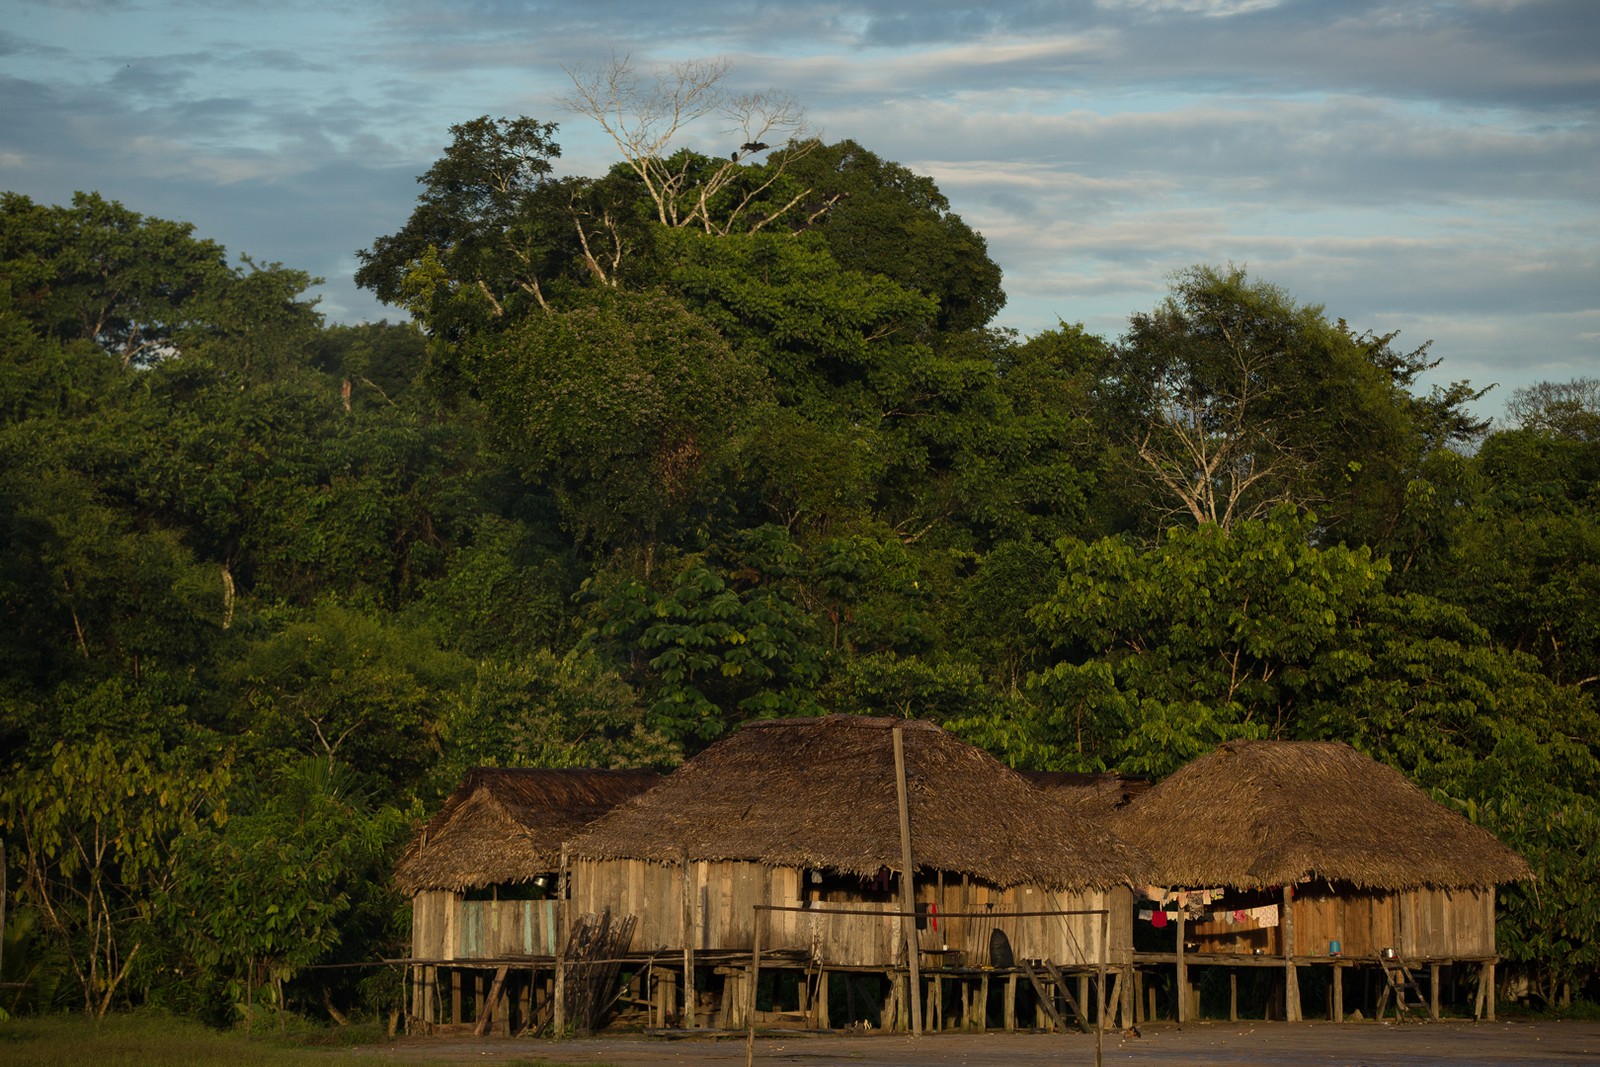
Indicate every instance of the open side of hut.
{"type": "Point", "coordinates": [1312, 852]}
{"type": "Point", "coordinates": [804, 814]}
{"type": "Point", "coordinates": [482, 874]}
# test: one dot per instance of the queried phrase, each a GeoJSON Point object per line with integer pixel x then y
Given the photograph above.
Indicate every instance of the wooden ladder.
{"type": "Point", "coordinates": [1401, 984]}
{"type": "Point", "coordinates": [1051, 985]}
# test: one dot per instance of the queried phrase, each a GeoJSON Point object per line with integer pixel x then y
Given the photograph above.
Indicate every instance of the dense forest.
{"type": "Point", "coordinates": [698, 441]}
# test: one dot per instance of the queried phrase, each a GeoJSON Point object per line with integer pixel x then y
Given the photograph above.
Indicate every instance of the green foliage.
{"type": "Point", "coordinates": [1160, 655]}
{"type": "Point", "coordinates": [548, 711]}
{"type": "Point", "coordinates": [298, 875]}
{"type": "Point", "coordinates": [628, 408]}
{"type": "Point", "coordinates": [353, 688]}
{"type": "Point", "coordinates": [625, 486]}
{"type": "Point", "coordinates": [882, 218]}
{"type": "Point", "coordinates": [97, 828]}
{"type": "Point", "coordinates": [1233, 396]}
{"type": "Point", "coordinates": [472, 254]}
{"type": "Point", "coordinates": [726, 639]}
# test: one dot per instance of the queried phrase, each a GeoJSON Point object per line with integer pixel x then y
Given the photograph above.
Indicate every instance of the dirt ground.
{"type": "Point", "coordinates": [1201, 1044]}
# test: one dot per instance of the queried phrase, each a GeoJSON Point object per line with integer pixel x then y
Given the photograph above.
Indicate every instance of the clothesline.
{"type": "Point", "coordinates": [1255, 918]}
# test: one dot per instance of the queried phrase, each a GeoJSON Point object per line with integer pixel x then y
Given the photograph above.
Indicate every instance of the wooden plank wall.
{"type": "Point", "coordinates": [723, 893]}
{"type": "Point", "coordinates": [432, 923]}
{"type": "Point", "coordinates": [446, 927]}
{"type": "Point", "coordinates": [1446, 923]}
{"type": "Point", "coordinates": [1419, 924]}
{"type": "Point", "coordinates": [496, 929]}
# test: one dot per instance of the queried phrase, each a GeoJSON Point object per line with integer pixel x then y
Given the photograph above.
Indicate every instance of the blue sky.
{"type": "Point", "coordinates": [1428, 166]}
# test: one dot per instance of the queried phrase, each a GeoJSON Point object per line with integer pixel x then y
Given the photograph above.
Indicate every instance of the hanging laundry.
{"type": "Point", "coordinates": [1145, 913]}
{"type": "Point", "coordinates": [1159, 919]}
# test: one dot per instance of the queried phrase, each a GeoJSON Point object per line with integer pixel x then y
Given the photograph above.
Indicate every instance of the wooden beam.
{"type": "Point", "coordinates": [755, 979]}
{"type": "Point", "coordinates": [558, 1010]}
{"type": "Point", "coordinates": [1046, 1000]}
{"type": "Point", "coordinates": [487, 1009]}
{"type": "Point", "coordinates": [686, 931]}
{"type": "Point", "coordinates": [907, 894]}
{"type": "Point", "coordinates": [1291, 974]}
{"type": "Point", "coordinates": [1183, 972]}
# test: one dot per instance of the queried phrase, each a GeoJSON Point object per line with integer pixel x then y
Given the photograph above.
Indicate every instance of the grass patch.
{"type": "Point", "coordinates": [151, 1039]}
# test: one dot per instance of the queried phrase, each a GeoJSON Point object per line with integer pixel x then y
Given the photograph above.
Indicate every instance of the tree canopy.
{"type": "Point", "coordinates": [702, 439]}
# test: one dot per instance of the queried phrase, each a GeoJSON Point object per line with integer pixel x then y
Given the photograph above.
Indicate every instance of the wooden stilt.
{"type": "Point", "coordinates": [755, 980]}
{"type": "Point", "coordinates": [822, 1021]}
{"type": "Point", "coordinates": [907, 882]}
{"type": "Point", "coordinates": [1487, 981]}
{"type": "Point", "coordinates": [1338, 992]}
{"type": "Point", "coordinates": [1291, 973]}
{"type": "Point", "coordinates": [1182, 1009]}
{"type": "Point", "coordinates": [1433, 991]}
{"type": "Point", "coordinates": [1233, 994]}
{"type": "Point", "coordinates": [686, 928]}
{"type": "Point", "coordinates": [1011, 1003]}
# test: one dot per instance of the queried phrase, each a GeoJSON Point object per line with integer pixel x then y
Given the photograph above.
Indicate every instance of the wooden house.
{"type": "Point", "coordinates": [1313, 853]}
{"type": "Point", "coordinates": [483, 874]}
{"type": "Point", "coordinates": [803, 816]}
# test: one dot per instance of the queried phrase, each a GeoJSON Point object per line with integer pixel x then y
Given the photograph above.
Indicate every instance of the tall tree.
{"type": "Point", "coordinates": [1234, 398]}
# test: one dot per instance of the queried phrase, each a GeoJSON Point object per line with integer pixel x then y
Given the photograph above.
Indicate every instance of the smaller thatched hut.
{"type": "Point", "coordinates": [481, 875]}
{"type": "Point", "coordinates": [1314, 852]}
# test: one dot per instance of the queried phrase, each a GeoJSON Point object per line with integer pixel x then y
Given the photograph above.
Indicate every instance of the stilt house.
{"type": "Point", "coordinates": [482, 874]}
{"type": "Point", "coordinates": [1311, 852]}
{"type": "Point", "coordinates": [804, 814]}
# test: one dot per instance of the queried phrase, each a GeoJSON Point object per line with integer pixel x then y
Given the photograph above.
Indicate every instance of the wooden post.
{"type": "Point", "coordinates": [1233, 994]}
{"type": "Point", "coordinates": [823, 1022]}
{"type": "Point", "coordinates": [491, 1005]}
{"type": "Point", "coordinates": [1100, 994]}
{"type": "Point", "coordinates": [1487, 982]}
{"type": "Point", "coordinates": [666, 996]}
{"type": "Point", "coordinates": [1183, 973]}
{"type": "Point", "coordinates": [1011, 1003]}
{"type": "Point", "coordinates": [558, 1017]}
{"type": "Point", "coordinates": [686, 928]}
{"type": "Point", "coordinates": [755, 979]}
{"type": "Point", "coordinates": [1291, 974]}
{"type": "Point", "coordinates": [1338, 992]}
{"type": "Point", "coordinates": [455, 995]}
{"type": "Point", "coordinates": [908, 905]}
{"type": "Point", "coordinates": [1433, 991]}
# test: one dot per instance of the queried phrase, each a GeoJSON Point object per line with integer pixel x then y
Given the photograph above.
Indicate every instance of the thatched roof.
{"type": "Point", "coordinates": [820, 792]}
{"type": "Point", "coordinates": [507, 825]}
{"type": "Point", "coordinates": [1267, 813]}
{"type": "Point", "coordinates": [1095, 795]}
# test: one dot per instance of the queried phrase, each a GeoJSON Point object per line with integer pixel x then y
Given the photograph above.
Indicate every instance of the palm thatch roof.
{"type": "Point", "coordinates": [507, 825]}
{"type": "Point", "coordinates": [821, 793]}
{"type": "Point", "coordinates": [1095, 795]}
{"type": "Point", "coordinates": [1266, 813]}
